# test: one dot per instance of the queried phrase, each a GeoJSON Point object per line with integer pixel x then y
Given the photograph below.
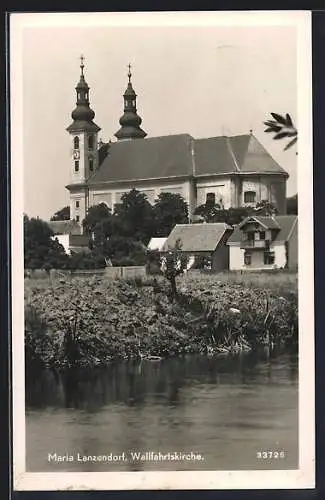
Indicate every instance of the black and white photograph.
{"type": "Point", "coordinates": [162, 250]}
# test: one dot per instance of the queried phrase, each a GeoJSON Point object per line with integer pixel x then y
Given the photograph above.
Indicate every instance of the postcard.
{"type": "Point", "coordinates": [162, 250]}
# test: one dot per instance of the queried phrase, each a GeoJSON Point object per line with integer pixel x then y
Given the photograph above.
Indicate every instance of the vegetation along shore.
{"type": "Point", "coordinates": [91, 321]}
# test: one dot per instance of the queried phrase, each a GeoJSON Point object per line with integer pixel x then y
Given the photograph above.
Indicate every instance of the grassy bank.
{"type": "Point", "coordinates": [90, 321]}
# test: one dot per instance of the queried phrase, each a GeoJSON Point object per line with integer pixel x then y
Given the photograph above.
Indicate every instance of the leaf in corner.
{"type": "Point", "coordinates": [280, 135]}
{"type": "Point", "coordinates": [291, 143]}
{"type": "Point", "coordinates": [288, 120]}
{"type": "Point", "coordinates": [279, 118]}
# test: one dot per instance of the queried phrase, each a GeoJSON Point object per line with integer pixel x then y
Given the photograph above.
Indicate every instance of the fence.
{"type": "Point", "coordinates": [108, 272]}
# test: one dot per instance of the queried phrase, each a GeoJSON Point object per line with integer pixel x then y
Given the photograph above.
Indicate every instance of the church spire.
{"type": "Point", "coordinates": [82, 115]}
{"type": "Point", "coordinates": [130, 121]}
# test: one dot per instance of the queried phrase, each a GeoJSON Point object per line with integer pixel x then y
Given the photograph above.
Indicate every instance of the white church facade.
{"type": "Point", "coordinates": [232, 171]}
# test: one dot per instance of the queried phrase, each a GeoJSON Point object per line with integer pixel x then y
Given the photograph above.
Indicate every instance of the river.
{"type": "Point", "coordinates": [208, 413]}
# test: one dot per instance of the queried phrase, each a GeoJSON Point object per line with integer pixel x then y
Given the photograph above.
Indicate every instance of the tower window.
{"type": "Point", "coordinates": [249, 197]}
{"type": "Point", "coordinates": [210, 199]}
{"type": "Point", "coordinates": [76, 166]}
{"type": "Point", "coordinates": [77, 204]}
{"type": "Point", "coordinates": [91, 164]}
{"type": "Point", "coordinates": [78, 218]}
{"type": "Point", "coordinates": [76, 142]}
{"type": "Point", "coordinates": [90, 142]}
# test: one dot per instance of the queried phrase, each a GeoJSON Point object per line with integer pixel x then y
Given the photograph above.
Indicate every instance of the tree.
{"type": "Point", "coordinates": [209, 213]}
{"type": "Point", "coordinates": [41, 250]}
{"type": "Point", "coordinates": [169, 209]}
{"type": "Point", "coordinates": [265, 208]}
{"type": "Point", "coordinates": [134, 217]}
{"type": "Point", "coordinates": [174, 263]}
{"type": "Point", "coordinates": [282, 127]}
{"type": "Point", "coordinates": [95, 215]}
{"type": "Point", "coordinates": [231, 216]}
{"type": "Point", "coordinates": [86, 260]}
{"type": "Point", "coordinates": [63, 214]}
{"type": "Point", "coordinates": [124, 251]}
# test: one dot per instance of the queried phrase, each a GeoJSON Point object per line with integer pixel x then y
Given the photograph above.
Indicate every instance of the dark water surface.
{"type": "Point", "coordinates": [224, 409]}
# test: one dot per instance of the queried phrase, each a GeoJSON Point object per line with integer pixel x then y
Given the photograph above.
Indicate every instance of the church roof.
{"type": "Point", "coordinates": [154, 158]}
{"type": "Point", "coordinates": [182, 156]}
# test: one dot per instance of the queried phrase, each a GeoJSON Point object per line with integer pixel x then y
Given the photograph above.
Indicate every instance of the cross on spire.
{"type": "Point", "coordinates": [82, 64]}
{"type": "Point", "coordinates": [129, 72]}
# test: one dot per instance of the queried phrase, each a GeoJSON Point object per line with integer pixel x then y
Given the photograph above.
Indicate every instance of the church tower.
{"type": "Point", "coordinates": [84, 153]}
{"type": "Point", "coordinates": [130, 121]}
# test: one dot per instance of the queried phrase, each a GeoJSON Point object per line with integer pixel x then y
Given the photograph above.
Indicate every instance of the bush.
{"type": "Point", "coordinates": [88, 322]}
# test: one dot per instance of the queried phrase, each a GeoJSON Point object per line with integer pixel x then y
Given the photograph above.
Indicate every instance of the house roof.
{"type": "Point", "coordinates": [203, 237]}
{"type": "Point", "coordinates": [182, 156]}
{"type": "Point", "coordinates": [267, 222]}
{"type": "Point", "coordinates": [65, 227]}
{"type": "Point", "coordinates": [156, 243]}
{"type": "Point", "coordinates": [284, 224]}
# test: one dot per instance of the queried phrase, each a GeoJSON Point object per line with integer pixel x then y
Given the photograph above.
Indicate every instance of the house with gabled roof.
{"type": "Point", "coordinates": [263, 243]}
{"type": "Point", "coordinates": [204, 244]}
{"type": "Point", "coordinates": [232, 171]}
{"type": "Point", "coordinates": [69, 234]}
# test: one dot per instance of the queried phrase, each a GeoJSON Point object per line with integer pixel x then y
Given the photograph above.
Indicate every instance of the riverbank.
{"type": "Point", "coordinates": [91, 322]}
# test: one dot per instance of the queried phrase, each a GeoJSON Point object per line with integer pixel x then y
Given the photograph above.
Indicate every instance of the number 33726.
{"type": "Point", "coordinates": [270, 454]}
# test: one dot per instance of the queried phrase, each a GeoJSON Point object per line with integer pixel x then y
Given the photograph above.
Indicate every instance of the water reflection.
{"type": "Point", "coordinates": [222, 406]}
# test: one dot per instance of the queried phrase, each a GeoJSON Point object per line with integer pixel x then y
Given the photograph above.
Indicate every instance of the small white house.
{"type": "Point", "coordinates": [262, 243]}
{"type": "Point", "coordinates": [156, 244]}
{"type": "Point", "coordinates": [68, 234]}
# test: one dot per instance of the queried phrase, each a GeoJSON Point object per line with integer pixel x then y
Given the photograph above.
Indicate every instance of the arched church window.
{"type": "Point", "coordinates": [76, 142]}
{"type": "Point", "coordinates": [90, 142]}
{"type": "Point", "coordinates": [249, 197]}
{"type": "Point", "coordinates": [210, 199]}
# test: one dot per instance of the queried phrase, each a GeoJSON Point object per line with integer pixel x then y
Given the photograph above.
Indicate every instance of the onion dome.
{"type": "Point", "coordinates": [130, 121]}
{"type": "Point", "coordinates": [82, 115]}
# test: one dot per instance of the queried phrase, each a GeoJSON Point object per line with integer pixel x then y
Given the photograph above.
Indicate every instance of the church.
{"type": "Point", "coordinates": [232, 171]}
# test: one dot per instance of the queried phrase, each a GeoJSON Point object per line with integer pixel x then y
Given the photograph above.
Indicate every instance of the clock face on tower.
{"type": "Point", "coordinates": [76, 155]}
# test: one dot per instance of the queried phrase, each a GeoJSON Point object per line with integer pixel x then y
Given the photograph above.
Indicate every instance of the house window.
{"type": "Point", "coordinates": [249, 197]}
{"type": "Point", "coordinates": [90, 142]}
{"type": "Point", "coordinates": [91, 164]}
{"type": "Point", "coordinates": [210, 199]}
{"type": "Point", "coordinates": [77, 218]}
{"type": "Point", "coordinates": [269, 258]}
{"type": "Point", "coordinates": [76, 142]}
{"type": "Point", "coordinates": [76, 166]}
{"type": "Point", "coordinates": [262, 235]}
{"type": "Point", "coordinates": [77, 204]}
{"type": "Point", "coordinates": [247, 258]}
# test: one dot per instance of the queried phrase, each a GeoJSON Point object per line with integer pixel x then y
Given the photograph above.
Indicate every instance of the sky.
{"type": "Point", "coordinates": [204, 80]}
